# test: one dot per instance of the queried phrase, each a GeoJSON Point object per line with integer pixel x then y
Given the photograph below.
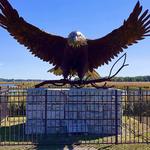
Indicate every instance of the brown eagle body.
{"type": "Point", "coordinates": [75, 59]}
{"type": "Point", "coordinates": [76, 53]}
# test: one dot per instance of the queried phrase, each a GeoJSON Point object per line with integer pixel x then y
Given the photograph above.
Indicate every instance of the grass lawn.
{"type": "Point", "coordinates": [12, 133]}
{"type": "Point", "coordinates": [11, 121]}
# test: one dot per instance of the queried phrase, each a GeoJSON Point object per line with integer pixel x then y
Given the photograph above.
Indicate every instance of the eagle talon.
{"type": "Point", "coordinates": [81, 82]}
{"type": "Point", "coordinates": [63, 80]}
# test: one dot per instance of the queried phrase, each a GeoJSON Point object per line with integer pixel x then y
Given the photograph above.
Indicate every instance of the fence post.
{"type": "Point", "coordinates": [45, 112]}
{"type": "Point", "coordinates": [116, 117]}
{"type": "Point", "coordinates": [140, 101]}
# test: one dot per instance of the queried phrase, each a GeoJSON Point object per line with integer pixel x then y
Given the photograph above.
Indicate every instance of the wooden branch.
{"type": "Point", "coordinates": [82, 83]}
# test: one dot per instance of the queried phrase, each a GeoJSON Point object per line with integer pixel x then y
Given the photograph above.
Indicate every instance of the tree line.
{"type": "Point", "coordinates": [117, 79]}
{"type": "Point", "coordinates": [132, 79]}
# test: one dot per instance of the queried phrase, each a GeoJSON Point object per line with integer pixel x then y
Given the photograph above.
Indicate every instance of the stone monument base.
{"type": "Point", "coordinates": [87, 110]}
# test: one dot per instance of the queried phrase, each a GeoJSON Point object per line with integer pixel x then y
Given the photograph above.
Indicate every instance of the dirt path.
{"type": "Point", "coordinates": [48, 148]}
{"type": "Point", "coordinates": [84, 147]}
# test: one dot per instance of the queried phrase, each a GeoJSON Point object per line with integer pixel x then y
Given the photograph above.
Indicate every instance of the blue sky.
{"type": "Point", "coordinates": [94, 18]}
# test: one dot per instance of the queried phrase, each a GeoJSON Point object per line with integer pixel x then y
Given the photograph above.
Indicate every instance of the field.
{"type": "Point", "coordinates": [121, 85]}
{"type": "Point", "coordinates": [124, 85]}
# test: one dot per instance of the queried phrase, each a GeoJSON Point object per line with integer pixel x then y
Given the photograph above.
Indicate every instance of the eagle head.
{"type": "Point", "coordinates": [76, 39]}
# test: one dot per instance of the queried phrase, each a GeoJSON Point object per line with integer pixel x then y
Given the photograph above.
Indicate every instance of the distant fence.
{"type": "Point", "coordinates": [80, 117]}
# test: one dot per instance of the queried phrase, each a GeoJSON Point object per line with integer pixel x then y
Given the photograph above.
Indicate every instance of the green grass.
{"type": "Point", "coordinates": [11, 121]}
{"type": "Point", "coordinates": [12, 133]}
{"type": "Point", "coordinates": [13, 130]}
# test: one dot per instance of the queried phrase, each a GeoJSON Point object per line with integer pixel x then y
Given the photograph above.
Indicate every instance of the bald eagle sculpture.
{"type": "Point", "coordinates": [75, 54]}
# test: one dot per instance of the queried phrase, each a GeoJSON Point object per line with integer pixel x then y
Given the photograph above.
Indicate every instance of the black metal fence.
{"type": "Point", "coordinates": [87, 116]}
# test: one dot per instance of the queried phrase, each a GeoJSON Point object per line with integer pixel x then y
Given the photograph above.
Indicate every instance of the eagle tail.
{"type": "Point", "coordinates": [92, 75]}
{"type": "Point", "coordinates": [89, 75]}
{"type": "Point", "coordinates": [56, 71]}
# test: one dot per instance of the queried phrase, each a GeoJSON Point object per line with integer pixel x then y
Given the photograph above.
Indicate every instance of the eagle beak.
{"type": "Point", "coordinates": [75, 38]}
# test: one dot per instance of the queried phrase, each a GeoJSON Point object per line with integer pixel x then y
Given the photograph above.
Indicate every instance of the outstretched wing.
{"type": "Point", "coordinates": [136, 27]}
{"type": "Point", "coordinates": [46, 46]}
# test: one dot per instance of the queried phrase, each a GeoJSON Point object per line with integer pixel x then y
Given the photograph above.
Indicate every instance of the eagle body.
{"type": "Point", "coordinates": [76, 60]}
{"type": "Point", "coordinates": [75, 55]}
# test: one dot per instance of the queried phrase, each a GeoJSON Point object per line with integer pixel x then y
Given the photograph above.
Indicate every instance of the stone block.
{"type": "Point", "coordinates": [86, 110]}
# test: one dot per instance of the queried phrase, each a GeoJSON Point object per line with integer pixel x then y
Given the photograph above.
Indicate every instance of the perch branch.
{"type": "Point", "coordinates": [82, 83]}
{"type": "Point", "coordinates": [110, 76]}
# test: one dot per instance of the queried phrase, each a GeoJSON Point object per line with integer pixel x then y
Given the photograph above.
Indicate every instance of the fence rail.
{"type": "Point", "coordinates": [27, 116]}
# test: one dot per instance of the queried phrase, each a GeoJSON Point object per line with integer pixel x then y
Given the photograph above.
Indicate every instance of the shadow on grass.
{"type": "Point", "coordinates": [64, 140]}
{"type": "Point", "coordinates": [16, 134]}
{"type": "Point", "coordinates": [13, 133]}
